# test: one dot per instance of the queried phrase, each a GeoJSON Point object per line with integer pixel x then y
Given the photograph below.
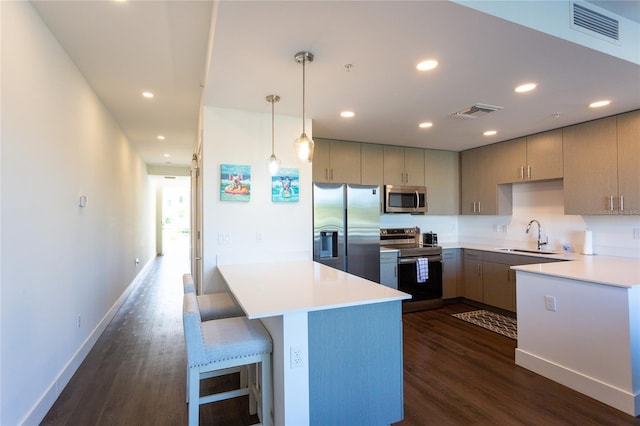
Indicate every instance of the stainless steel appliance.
{"type": "Point", "coordinates": [429, 239]}
{"type": "Point", "coordinates": [346, 228]}
{"type": "Point", "coordinates": [427, 294]}
{"type": "Point", "coordinates": [405, 199]}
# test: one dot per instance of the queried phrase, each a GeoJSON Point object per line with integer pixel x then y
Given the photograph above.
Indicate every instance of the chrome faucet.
{"type": "Point", "coordinates": [540, 241]}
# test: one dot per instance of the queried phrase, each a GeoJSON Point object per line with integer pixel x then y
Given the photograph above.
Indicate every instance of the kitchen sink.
{"type": "Point", "coordinates": [517, 250]}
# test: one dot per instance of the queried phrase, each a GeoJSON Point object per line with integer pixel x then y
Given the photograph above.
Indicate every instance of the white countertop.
{"type": "Point", "coordinates": [607, 270]}
{"type": "Point", "coordinates": [270, 289]}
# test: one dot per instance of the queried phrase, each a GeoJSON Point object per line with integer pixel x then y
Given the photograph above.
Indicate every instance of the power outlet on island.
{"type": "Point", "coordinates": [550, 303]}
{"type": "Point", "coordinates": [297, 356]}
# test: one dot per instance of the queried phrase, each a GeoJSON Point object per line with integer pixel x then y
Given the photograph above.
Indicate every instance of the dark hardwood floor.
{"type": "Point", "coordinates": [455, 373]}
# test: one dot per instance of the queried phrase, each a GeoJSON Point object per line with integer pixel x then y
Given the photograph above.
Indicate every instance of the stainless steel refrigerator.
{"type": "Point", "coordinates": [346, 228]}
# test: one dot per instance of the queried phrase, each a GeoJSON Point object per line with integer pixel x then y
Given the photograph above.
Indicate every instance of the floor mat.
{"type": "Point", "coordinates": [491, 321]}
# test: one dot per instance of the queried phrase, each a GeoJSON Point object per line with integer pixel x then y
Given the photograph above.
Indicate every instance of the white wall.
{"type": "Point", "coordinates": [285, 229]}
{"type": "Point", "coordinates": [59, 261]}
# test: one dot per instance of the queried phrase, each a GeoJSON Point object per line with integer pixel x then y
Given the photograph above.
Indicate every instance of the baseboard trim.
{"type": "Point", "coordinates": [620, 399]}
{"type": "Point", "coordinates": [49, 397]}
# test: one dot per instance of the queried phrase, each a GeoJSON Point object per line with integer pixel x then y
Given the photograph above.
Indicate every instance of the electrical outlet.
{"type": "Point", "coordinates": [550, 303]}
{"type": "Point", "coordinates": [79, 321]}
{"type": "Point", "coordinates": [297, 357]}
{"type": "Point", "coordinates": [636, 233]}
{"type": "Point", "coordinates": [258, 237]}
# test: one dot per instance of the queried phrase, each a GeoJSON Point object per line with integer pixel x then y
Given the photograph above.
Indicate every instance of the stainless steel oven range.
{"type": "Point", "coordinates": [425, 288]}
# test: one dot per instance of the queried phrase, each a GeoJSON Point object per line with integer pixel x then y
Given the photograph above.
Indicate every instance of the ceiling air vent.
{"type": "Point", "coordinates": [476, 111]}
{"type": "Point", "coordinates": [587, 19]}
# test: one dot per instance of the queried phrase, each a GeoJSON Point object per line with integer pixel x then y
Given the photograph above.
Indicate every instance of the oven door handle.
{"type": "Point", "coordinates": [405, 260]}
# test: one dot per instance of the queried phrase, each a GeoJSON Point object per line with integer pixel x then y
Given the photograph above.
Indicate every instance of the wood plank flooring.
{"type": "Point", "coordinates": [455, 373]}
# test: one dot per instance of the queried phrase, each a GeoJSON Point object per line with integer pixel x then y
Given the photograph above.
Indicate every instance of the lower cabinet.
{"type": "Point", "coordinates": [488, 277]}
{"type": "Point", "coordinates": [452, 283]}
{"type": "Point", "coordinates": [498, 286]}
{"type": "Point", "coordinates": [389, 269]}
{"type": "Point", "coordinates": [473, 275]}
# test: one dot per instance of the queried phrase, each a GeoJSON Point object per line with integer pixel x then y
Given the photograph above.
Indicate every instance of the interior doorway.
{"type": "Point", "coordinates": [175, 216]}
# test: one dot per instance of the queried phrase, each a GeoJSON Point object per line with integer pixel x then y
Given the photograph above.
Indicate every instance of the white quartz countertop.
{"type": "Point", "coordinates": [607, 270]}
{"type": "Point", "coordinates": [272, 289]}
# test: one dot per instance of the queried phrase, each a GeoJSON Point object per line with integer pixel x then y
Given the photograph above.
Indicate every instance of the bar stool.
{"type": "Point", "coordinates": [213, 347]}
{"type": "Point", "coordinates": [213, 305]}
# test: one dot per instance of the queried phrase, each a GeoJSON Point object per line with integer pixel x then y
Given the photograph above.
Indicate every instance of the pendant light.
{"type": "Point", "coordinates": [273, 162]}
{"type": "Point", "coordinates": [304, 144]}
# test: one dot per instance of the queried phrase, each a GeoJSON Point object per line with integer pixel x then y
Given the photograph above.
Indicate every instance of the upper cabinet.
{"type": "Point", "coordinates": [336, 161]}
{"type": "Point", "coordinates": [372, 166]}
{"type": "Point", "coordinates": [403, 166]}
{"type": "Point", "coordinates": [480, 171]}
{"type": "Point", "coordinates": [442, 179]}
{"type": "Point", "coordinates": [532, 158]}
{"type": "Point", "coordinates": [628, 161]}
{"type": "Point", "coordinates": [544, 156]}
{"type": "Point", "coordinates": [591, 152]}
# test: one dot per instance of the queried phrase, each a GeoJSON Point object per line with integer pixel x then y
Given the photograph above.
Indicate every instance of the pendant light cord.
{"type": "Point", "coordinates": [304, 61]}
{"type": "Point", "coordinates": [272, 128]}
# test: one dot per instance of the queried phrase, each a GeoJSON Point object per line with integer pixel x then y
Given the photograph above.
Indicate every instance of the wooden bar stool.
{"type": "Point", "coordinates": [214, 347]}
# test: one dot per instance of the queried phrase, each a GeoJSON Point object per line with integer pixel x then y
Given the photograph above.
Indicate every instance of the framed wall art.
{"type": "Point", "coordinates": [235, 182]}
{"type": "Point", "coordinates": [285, 186]}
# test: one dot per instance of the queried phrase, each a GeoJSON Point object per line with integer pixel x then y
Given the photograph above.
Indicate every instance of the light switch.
{"type": "Point", "coordinates": [83, 201]}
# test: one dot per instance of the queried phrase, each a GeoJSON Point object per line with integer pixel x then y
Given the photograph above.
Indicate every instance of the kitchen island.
{"type": "Point", "coordinates": [579, 325]}
{"type": "Point", "coordinates": [337, 341]}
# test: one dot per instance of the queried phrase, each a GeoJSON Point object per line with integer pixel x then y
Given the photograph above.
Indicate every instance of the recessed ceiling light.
{"type": "Point", "coordinates": [599, 104]}
{"type": "Point", "coordinates": [427, 65]}
{"type": "Point", "coordinates": [527, 87]}
{"type": "Point", "coordinates": [147, 95]}
{"type": "Point", "coordinates": [347, 114]}
{"type": "Point", "coordinates": [425, 125]}
{"type": "Point", "coordinates": [167, 155]}
{"type": "Point", "coordinates": [160, 137]}
{"type": "Point", "coordinates": [490, 133]}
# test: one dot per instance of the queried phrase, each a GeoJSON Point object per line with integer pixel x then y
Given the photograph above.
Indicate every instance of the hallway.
{"type": "Point", "coordinates": [135, 374]}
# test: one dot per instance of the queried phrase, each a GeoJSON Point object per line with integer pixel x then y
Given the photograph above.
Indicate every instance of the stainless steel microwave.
{"type": "Point", "coordinates": [405, 199]}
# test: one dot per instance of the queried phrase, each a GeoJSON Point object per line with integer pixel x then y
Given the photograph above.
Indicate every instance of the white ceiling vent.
{"type": "Point", "coordinates": [595, 23]}
{"type": "Point", "coordinates": [475, 111]}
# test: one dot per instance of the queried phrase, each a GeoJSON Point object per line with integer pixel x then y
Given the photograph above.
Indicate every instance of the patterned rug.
{"type": "Point", "coordinates": [491, 321]}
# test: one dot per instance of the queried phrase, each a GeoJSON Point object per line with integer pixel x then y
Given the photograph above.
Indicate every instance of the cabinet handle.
{"type": "Point", "coordinates": [326, 173]}
{"type": "Point", "coordinates": [621, 203]}
{"type": "Point", "coordinates": [521, 172]}
{"type": "Point", "coordinates": [474, 207]}
{"type": "Point", "coordinates": [331, 174]}
{"type": "Point", "coordinates": [528, 172]}
{"type": "Point", "coordinates": [407, 176]}
{"type": "Point", "coordinates": [478, 207]}
{"type": "Point", "coordinates": [395, 271]}
{"type": "Point", "coordinates": [610, 203]}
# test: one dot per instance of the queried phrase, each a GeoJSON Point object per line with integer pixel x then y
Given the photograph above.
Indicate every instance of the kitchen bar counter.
{"type": "Point", "coordinates": [271, 289]}
{"type": "Point", "coordinates": [337, 341]}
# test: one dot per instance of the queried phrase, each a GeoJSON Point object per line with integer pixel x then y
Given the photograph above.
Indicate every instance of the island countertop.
{"type": "Point", "coordinates": [606, 270]}
{"type": "Point", "coordinates": [270, 289]}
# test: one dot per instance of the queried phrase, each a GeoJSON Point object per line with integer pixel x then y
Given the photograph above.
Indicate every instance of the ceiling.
{"type": "Point", "coordinates": [126, 48]}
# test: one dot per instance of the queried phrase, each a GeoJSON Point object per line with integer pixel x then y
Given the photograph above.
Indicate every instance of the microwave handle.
{"type": "Point", "coordinates": [417, 201]}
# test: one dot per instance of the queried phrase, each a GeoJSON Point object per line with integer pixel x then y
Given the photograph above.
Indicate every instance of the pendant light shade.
{"type": "Point", "coordinates": [273, 162]}
{"type": "Point", "coordinates": [304, 144]}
